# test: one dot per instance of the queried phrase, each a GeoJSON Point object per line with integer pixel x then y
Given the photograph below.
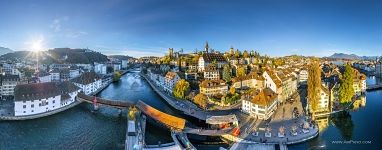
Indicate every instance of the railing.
{"type": "Point", "coordinates": [102, 101]}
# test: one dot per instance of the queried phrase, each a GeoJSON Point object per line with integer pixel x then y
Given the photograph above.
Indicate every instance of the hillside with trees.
{"type": "Point", "coordinates": [58, 55]}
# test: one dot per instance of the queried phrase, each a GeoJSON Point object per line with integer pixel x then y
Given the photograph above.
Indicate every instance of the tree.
{"type": "Point", "coordinates": [195, 59]}
{"type": "Point", "coordinates": [181, 88]}
{"type": "Point", "coordinates": [227, 73]}
{"type": "Point", "coordinates": [201, 100]}
{"type": "Point", "coordinates": [237, 53]}
{"type": "Point", "coordinates": [240, 72]}
{"type": "Point", "coordinates": [116, 76]}
{"type": "Point", "coordinates": [346, 90]}
{"type": "Point", "coordinates": [132, 112]}
{"type": "Point", "coordinates": [231, 51]}
{"type": "Point", "coordinates": [314, 85]}
{"type": "Point", "coordinates": [245, 54]}
{"type": "Point", "coordinates": [232, 90]}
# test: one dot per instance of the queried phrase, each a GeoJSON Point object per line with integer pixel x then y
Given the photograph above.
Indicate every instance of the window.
{"type": "Point", "coordinates": [24, 106]}
{"type": "Point", "coordinates": [32, 106]}
{"type": "Point", "coordinates": [24, 112]}
{"type": "Point", "coordinates": [54, 101]}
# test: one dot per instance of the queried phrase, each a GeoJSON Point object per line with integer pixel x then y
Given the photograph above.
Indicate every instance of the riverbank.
{"type": "Point", "coordinates": [186, 106]}
{"type": "Point", "coordinates": [35, 116]}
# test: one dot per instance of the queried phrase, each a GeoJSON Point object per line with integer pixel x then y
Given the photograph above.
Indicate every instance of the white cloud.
{"type": "Point", "coordinates": [75, 34]}
{"type": "Point", "coordinates": [56, 23]}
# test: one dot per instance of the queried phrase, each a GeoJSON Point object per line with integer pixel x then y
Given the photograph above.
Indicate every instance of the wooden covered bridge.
{"type": "Point", "coordinates": [170, 121]}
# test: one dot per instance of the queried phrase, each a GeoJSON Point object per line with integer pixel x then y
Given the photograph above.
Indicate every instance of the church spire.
{"type": "Point", "coordinates": [206, 47]}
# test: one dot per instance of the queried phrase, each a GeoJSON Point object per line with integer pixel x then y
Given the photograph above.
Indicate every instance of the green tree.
{"type": "Point", "coordinates": [116, 76]}
{"type": "Point", "coordinates": [227, 73]}
{"type": "Point", "coordinates": [201, 100]}
{"type": "Point", "coordinates": [181, 88]}
{"type": "Point", "coordinates": [346, 90]}
{"type": "Point", "coordinates": [314, 85]}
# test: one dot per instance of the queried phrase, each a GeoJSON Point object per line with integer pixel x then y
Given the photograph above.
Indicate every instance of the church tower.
{"type": "Point", "coordinates": [206, 47]}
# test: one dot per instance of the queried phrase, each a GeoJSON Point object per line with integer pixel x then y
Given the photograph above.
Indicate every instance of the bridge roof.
{"type": "Point", "coordinates": [113, 103]}
{"type": "Point", "coordinates": [169, 120]}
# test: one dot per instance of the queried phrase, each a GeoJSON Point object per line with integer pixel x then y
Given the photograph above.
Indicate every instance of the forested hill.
{"type": "Point", "coordinates": [59, 55]}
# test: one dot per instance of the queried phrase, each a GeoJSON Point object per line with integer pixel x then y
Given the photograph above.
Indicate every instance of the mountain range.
{"type": "Point", "coordinates": [351, 56]}
{"type": "Point", "coordinates": [4, 50]}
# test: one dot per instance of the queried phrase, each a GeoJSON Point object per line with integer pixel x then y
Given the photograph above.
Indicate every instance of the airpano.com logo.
{"type": "Point", "coordinates": [352, 142]}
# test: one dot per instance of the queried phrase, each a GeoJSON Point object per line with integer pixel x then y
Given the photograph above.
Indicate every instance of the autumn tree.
{"type": "Point", "coordinates": [314, 85]}
{"type": "Point", "coordinates": [181, 88]}
{"type": "Point", "coordinates": [237, 53]}
{"type": "Point", "coordinates": [346, 90]}
{"type": "Point", "coordinates": [245, 54]}
{"type": "Point", "coordinates": [231, 51]}
{"type": "Point", "coordinates": [201, 100]}
{"type": "Point", "coordinates": [132, 112]}
{"type": "Point", "coordinates": [240, 72]}
{"type": "Point", "coordinates": [227, 73]}
{"type": "Point", "coordinates": [232, 90]}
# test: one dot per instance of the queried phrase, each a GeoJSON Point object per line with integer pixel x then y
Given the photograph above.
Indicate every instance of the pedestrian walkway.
{"type": "Point", "coordinates": [251, 146]}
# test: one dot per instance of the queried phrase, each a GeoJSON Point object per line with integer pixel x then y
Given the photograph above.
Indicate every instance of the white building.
{"type": "Point", "coordinates": [303, 76]}
{"type": "Point", "coordinates": [117, 67]}
{"type": "Point", "coordinates": [171, 79]}
{"type": "Point", "coordinates": [124, 64]}
{"type": "Point", "coordinates": [208, 58]}
{"type": "Point", "coordinates": [44, 77]}
{"type": "Point", "coordinates": [55, 74]}
{"type": "Point", "coordinates": [8, 84]}
{"type": "Point", "coordinates": [211, 74]}
{"type": "Point", "coordinates": [89, 82]}
{"type": "Point", "coordinates": [38, 98]}
{"type": "Point", "coordinates": [74, 73]}
{"type": "Point", "coordinates": [261, 103]}
{"type": "Point", "coordinates": [270, 81]}
{"type": "Point", "coordinates": [100, 68]}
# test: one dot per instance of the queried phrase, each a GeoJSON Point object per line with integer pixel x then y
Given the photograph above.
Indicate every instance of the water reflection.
{"type": "Point", "coordinates": [359, 102]}
{"type": "Point", "coordinates": [344, 123]}
{"type": "Point", "coordinates": [323, 123]}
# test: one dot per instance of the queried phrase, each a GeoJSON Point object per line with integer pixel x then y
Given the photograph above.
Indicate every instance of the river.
{"type": "Point", "coordinates": [80, 128]}
{"type": "Point", "coordinates": [357, 129]}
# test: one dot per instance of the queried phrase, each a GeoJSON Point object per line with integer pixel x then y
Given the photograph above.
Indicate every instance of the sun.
{"type": "Point", "coordinates": [36, 46]}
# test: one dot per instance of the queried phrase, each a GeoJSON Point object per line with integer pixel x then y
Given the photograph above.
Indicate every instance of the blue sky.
{"type": "Point", "coordinates": [150, 27]}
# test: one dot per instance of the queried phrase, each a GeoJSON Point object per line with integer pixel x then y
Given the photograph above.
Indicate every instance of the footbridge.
{"type": "Point", "coordinates": [169, 121]}
{"type": "Point", "coordinates": [102, 101]}
{"type": "Point", "coordinates": [374, 87]}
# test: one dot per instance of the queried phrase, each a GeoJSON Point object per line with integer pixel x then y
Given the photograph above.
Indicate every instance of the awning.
{"type": "Point", "coordinates": [221, 119]}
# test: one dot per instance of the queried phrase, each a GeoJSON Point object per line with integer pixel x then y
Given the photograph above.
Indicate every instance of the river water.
{"type": "Point", "coordinates": [80, 128]}
{"type": "Point", "coordinates": [357, 129]}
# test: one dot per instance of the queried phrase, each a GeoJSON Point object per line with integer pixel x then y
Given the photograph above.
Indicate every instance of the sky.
{"type": "Point", "coordinates": [149, 27]}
